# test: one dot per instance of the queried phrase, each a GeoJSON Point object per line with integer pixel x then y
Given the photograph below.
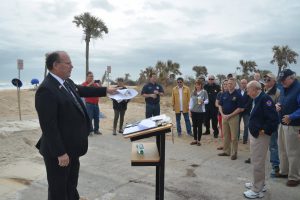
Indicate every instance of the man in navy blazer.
{"type": "Point", "coordinates": [263, 122]}
{"type": "Point", "coordinates": [65, 125]}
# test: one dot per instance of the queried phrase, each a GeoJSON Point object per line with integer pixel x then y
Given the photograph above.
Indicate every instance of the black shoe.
{"type": "Point", "coordinates": [206, 133]}
{"type": "Point", "coordinates": [120, 131]}
{"type": "Point", "coordinates": [248, 161]}
{"type": "Point", "coordinates": [244, 142]}
{"type": "Point", "coordinates": [216, 135]}
{"type": "Point", "coordinates": [97, 133]}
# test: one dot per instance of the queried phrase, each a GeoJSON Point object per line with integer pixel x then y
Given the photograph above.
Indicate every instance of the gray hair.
{"type": "Point", "coordinates": [254, 84]}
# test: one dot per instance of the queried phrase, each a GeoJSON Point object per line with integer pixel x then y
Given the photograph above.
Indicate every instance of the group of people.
{"type": "Point", "coordinates": [270, 110]}
{"type": "Point", "coordinates": [66, 121]}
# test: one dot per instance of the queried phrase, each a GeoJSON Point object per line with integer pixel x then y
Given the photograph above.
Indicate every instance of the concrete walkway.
{"type": "Point", "coordinates": [192, 173]}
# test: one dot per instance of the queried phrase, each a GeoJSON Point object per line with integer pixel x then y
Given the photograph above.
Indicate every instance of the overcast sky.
{"type": "Point", "coordinates": [214, 33]}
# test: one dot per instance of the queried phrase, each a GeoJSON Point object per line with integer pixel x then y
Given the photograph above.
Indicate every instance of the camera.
{"type": "Point", "coordinates": [97, 81]}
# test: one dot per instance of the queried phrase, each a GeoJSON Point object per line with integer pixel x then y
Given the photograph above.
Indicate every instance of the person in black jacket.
{"type": "Point", "coordinates": [263, 122]}
{"type": "Point", "coordinates": [65, 125]}
{"type": "Point", "coordinates": [247, 102]}
{"type": "Point", "coordinates": [211, 110]}
{"type": "Point", "coordinates": [119, 109]}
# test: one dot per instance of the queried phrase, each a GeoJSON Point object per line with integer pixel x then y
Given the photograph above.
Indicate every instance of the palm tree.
{"type": "Point", "coordinates": [283, 56]}
{"type": "Point", "coordinates": [167, 71]}
{"type": "Point", "coordinates": [93, 27]}
{"type": "Point", "coordinates": [200, 70]}
{"type": "Point", "coordinates": [247, 66]}
{"type": "Point", "coordinates": [127, 75]}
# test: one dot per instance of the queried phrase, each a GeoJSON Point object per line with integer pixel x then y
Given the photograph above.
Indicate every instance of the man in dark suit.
{"type": "Point", "coordinates": [65, 125]}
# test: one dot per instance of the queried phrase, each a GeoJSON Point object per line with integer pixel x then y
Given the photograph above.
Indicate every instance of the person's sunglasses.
{"type": "Point", "coordinates": [211, 79]}
{"type": "Point", "coordinates": [267, 80]}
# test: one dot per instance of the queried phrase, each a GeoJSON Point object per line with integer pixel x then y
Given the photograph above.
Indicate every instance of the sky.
{"type": "Point", "coordinates": [215, 33]}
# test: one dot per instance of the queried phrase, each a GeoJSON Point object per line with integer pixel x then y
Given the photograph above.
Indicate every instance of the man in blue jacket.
{"type": "Point", "coordinates": [263, 122]}
{"type": "Point", "coordinates": [289, 115]}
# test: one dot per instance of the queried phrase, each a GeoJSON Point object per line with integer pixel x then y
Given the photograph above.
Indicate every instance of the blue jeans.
{"type": "Point", "coordinates": [245, 117]}
{"type": "Point", "coordinates": [152, 110]}
{"type": "Point", "coordinates": [274, 158]}
{"type": "Point", "coordinates": [93, 112]}
{"type": "Point", "coordinates": [187, 123]}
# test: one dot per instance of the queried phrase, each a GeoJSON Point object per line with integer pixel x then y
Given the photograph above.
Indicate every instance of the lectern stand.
{"type": "Point", "coordinates": [154, 154]}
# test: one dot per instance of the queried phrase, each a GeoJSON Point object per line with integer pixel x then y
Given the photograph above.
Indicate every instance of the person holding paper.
{"type": "Point", "coordinates": [152, 92]}
{"type": "Point", "coordinates": [197, 104]}
{"type": "Point", "coordinates": [119, 108]}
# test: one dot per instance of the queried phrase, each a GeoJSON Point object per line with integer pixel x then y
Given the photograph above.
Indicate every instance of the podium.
{"type": "Point", "coordinates": [154, 154]}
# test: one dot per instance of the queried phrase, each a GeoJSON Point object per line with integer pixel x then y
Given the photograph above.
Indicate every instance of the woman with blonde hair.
{"type": "Point", "coordinates": [197, 110]}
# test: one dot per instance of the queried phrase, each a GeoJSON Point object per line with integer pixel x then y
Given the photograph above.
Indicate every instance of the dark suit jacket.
{"type": "Point", "coordinates": [64, 127]}
{"type": "Point", "coordinates": [263, 116]}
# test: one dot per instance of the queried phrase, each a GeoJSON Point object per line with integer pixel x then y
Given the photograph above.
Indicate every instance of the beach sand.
{"type": "Point", "coordinates": [22, 171]}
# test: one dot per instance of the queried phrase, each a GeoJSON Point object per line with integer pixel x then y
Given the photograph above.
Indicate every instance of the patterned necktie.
{"type": "Point", "coordinates": [67, 86]}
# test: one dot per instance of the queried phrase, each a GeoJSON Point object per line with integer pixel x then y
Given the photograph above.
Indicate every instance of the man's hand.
{"type": "Point", "coordinates": [278, 107]}
{"type": "Point", "coordinates": [226, 117]}
{"type": "Point", "coordinates": [154, 96]}
{"type": "Point", "coordinates": [63, 160]}
{"type": "Point", "coordinates": [111, 90]}
{"type": "Point", "coordinates": [261, 132]}
{"type": "Point", "coordinates": [286, 119]}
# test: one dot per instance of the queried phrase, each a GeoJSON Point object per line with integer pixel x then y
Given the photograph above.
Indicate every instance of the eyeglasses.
{"type": "Point", "coordinates": [179, 82]}
{"type": "Point", "coordinates": [267, 80]}
{"type": "Point", "coordinates": [211, 79]}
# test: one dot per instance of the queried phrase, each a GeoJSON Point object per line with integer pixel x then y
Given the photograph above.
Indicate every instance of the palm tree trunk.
{"type": "Point", "coordinates": [87, 44]}
{"type": "Point", "coordinates": [279, 70]}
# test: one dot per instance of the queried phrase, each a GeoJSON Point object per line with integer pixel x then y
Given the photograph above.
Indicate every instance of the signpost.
{"type": "Point", "coordinates": [18, 83]}
{"type": "Point", "coordinates": [108, 71]}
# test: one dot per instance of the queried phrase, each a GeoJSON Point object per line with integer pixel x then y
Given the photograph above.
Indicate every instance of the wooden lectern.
{"type": "Point", "coordinates": [154, 154]}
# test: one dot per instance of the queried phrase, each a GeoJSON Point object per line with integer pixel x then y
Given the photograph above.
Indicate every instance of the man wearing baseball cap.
{"type": "Point", "coordinates": [289, 115]}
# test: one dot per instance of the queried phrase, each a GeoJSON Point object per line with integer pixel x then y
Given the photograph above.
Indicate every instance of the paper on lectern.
{"type": "Point", "coordinates": [143, 125]}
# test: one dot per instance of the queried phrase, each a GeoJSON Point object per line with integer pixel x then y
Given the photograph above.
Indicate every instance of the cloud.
{"type": "Point", "coordinates": [213, 33]}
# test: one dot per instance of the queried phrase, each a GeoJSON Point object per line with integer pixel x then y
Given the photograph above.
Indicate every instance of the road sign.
{"type": "Point", "coordinates": [20, 64]}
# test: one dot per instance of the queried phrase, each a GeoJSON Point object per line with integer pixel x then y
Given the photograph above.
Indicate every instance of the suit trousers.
{"type": "Point", "coordinates": [62, 181]}
{"type": "Point", "coordinates": [211, 113]}
{"type": "Point", "coordinates": [258, 151]}
{"type": "Point", "coordinates": [289, 151]}
{"type": "Point", "coordinates": [230, 130]}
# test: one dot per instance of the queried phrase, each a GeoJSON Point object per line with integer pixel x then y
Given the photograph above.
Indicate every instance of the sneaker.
{"type": "Point", "coordinates": [248, 161]}
{"type": "Point", "coordinates": [193, 143]}
{"type": "Point", "coordinates": [253, 195]}
{"type": "Point", "coordinates": [250, 184]}
{"type": "Point", "coordinates": [274, 172]}
{"type": "Point", "coordinates": [121, 131]}
{"type": "Point", "coordinates": [199, 144]}
{"type": "Point", "coordinates": [114, 132]}
{"type": "Point", "coordinates": [91, 133]}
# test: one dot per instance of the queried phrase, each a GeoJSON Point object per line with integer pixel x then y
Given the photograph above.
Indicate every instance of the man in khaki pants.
{"type": "Point", "coordinates": [263, 122]}
{"type": "Point", "coordinates": [289, 115]}
{"type": "Point", "coordinates": [230, 106]}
